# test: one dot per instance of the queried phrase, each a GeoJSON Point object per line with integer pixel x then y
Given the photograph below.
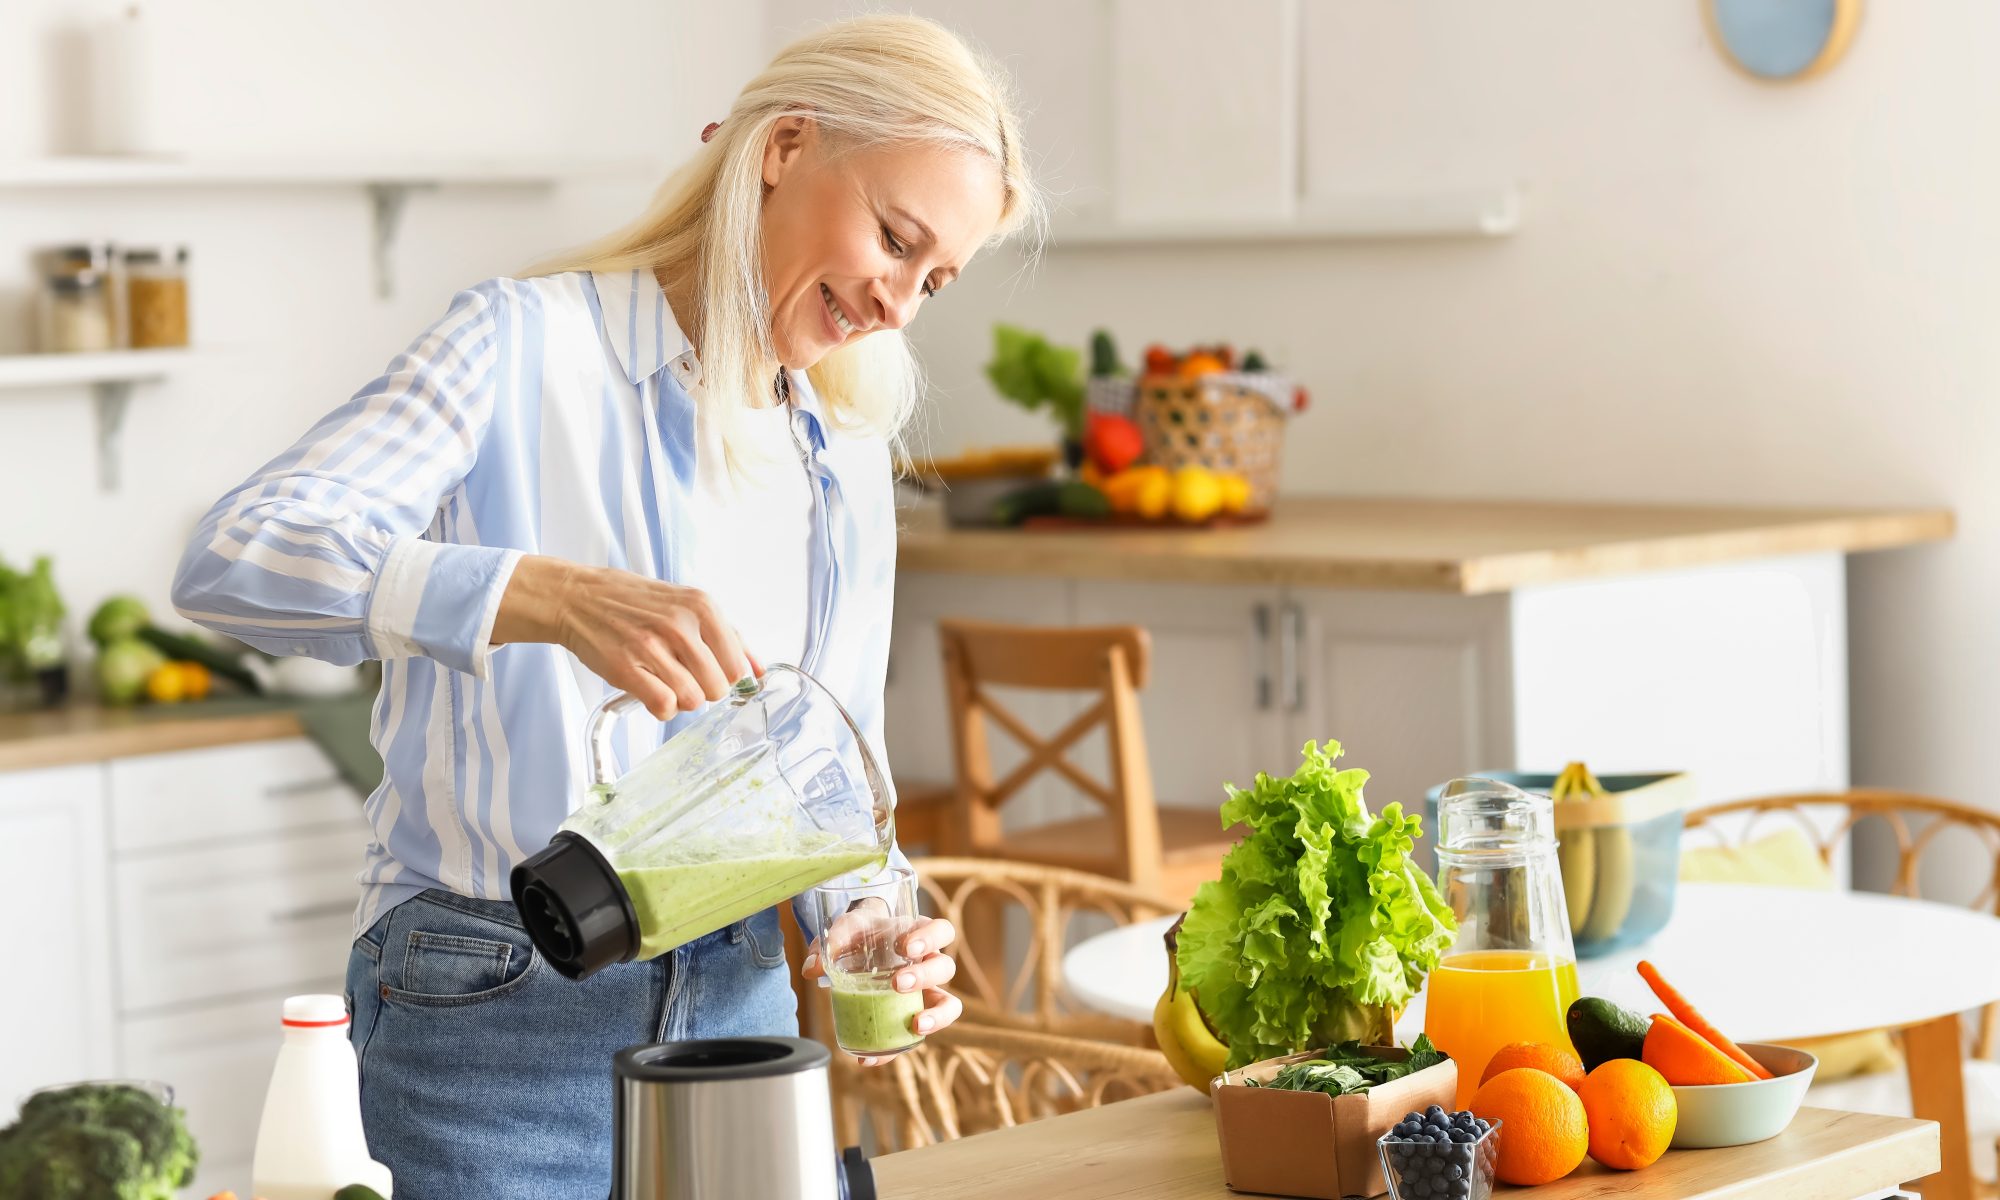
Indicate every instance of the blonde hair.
{"type": "Point", "coordinates": [865, 81]}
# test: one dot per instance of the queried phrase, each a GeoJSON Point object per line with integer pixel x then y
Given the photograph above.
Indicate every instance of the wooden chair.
{"type": "Point", "coordinates": [1169, 851]}
{"type": "Point", "coordinates": [1023, 1050]}
{"type": "Point", "coordinates": [1934, 1050]}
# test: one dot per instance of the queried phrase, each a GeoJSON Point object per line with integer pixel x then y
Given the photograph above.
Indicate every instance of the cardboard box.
{"type": "Point", "coordinates": [1310, 1143]}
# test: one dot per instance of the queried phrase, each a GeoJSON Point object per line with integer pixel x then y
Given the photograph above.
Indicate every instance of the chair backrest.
{"type": "Point", "coordinates": [1111, 661]}
{"type": "Point", "coordinates": [1918, 824]}
{"type": "Point", "coordinates": [1048, 900]}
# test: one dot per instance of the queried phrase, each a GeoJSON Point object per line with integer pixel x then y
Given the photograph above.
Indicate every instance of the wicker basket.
{"type": "Point", "coordinates": [1222, 422]}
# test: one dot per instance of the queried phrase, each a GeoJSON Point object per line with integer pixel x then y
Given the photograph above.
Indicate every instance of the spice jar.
{"type": "Point", "coordinates": [93, 258]}
{"type": "Point", "coordinates": [156, 301]}
{"type": "Point", "coordinates": [76, 315]}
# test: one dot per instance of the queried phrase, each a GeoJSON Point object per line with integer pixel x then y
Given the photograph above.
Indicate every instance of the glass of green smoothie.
{"type": "Point", "coordinates": [866, 927]}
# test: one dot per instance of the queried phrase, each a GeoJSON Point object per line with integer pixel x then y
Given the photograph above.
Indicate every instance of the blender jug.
{"type": "Point", "coordinates": [768, 792]}
{"type": "Point", "coordinates": [1511, 975]}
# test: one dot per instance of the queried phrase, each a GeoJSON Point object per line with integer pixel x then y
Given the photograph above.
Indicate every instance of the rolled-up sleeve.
{"type": "Point", "coordinates": [324, 551]}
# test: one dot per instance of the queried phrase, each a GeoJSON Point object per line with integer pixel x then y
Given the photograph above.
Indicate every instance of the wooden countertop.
{"type": "Point", "coordinates": [1460, 546]}
{"type": "Point", "coordinates": [1163, 1148]}
{"type": "Point", "coordinates": [88, 733]}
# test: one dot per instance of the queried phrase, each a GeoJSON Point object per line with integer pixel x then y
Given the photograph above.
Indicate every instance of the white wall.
{"type": "Point", "coordinates": [1724, 291]}
{"type": "Point", "coordinates": [281, 285]}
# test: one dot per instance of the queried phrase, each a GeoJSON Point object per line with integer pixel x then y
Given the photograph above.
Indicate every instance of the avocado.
{"type": "Point", "coordinates": [1602, 1031]}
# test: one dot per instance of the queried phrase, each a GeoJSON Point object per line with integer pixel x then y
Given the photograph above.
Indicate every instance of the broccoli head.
{"type": "Point", "coordinates": [96, 1140]}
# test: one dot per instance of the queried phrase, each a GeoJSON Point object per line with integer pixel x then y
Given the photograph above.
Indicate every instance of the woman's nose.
{"type": "Point", "coordinates": [897, 301]}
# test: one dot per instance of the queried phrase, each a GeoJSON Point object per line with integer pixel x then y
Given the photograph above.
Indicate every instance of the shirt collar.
{"type": "Point", "coordinates": [643, 333]}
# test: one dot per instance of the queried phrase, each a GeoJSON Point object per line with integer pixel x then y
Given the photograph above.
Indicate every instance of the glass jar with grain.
{"type": "Point", "coordinates": [76, 317]}
{"type": "Point", "coordinates": [156, 298]}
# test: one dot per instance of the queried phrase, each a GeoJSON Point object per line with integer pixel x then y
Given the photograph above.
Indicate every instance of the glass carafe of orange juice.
{"type": "Point", "coordinates": [1511, 975]}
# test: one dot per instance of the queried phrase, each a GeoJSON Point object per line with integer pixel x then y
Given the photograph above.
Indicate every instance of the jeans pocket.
{"type": "Point", "coordinates": [443, 970]}
{"type": "Point", "coordinates": [766, 938]}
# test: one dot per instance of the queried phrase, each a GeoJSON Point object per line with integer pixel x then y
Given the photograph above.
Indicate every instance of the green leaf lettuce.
{"type": "Point", "coordinates": [1320, 927]}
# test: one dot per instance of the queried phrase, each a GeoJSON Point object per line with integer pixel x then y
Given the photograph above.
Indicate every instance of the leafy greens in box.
{"type": "Point", "coordinates": [1347, 1069]}
{"type": "Point", "coordinates": [1320, 928]}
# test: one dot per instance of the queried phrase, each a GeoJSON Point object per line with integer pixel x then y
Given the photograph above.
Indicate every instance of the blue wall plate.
{"type": "Point", "coordinates": [1784, 39]}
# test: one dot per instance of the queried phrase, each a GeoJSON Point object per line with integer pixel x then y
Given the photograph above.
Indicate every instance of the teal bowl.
{"type": "Point", "coordinates": [1736, 1114]}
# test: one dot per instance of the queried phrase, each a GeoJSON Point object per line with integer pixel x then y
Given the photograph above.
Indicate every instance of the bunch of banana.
{"type": "Point", "coordinates": [1192, 1048]}
{"type": "Point", "coordinates": [1597, 873]}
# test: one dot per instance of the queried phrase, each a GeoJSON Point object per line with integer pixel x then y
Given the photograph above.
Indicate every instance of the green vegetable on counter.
{"type": "Point", "coordinates": [1320, 927]}
{"type": "Point", "coordinates": [122, 668]}
{"type": "Point", "coordinates": [31, 613]}
{"type": "Point", "coordinates": [124, 619]}
{"type": "Point", "coordinates": [96, 1142]}
{"type": "Point", "coordinates": [1068, 499]}
{"type": "Point", "coordinates": [357, 1191]}
{"type": "Point", "coordinates": [1034, 374]}
{"type": "Point", "coordinates": [118, 618]}
{"type": "Point", "coordinates": [1347, 1069]}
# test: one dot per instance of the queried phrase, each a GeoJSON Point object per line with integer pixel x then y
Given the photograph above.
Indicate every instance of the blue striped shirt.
{"type": "Point", "coordinates": [553, 416]}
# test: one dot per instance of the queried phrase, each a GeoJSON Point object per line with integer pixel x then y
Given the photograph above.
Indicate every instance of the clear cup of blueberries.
{"type": "Point", "coordinates": [1436, 1155]}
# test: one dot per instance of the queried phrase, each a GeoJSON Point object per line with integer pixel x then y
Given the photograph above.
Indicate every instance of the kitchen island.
{"type": "Point", "coordinates": [1432, 637]}
{"type": "Point", "coordinates": [1163, 1147]}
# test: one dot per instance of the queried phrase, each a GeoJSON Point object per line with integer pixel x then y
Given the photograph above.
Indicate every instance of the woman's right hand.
{"type": "Point", "coordinates": [664, 643]}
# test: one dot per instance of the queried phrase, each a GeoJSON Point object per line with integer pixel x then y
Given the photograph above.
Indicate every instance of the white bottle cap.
{"type": "Point", "coordinates": [314, 1012]}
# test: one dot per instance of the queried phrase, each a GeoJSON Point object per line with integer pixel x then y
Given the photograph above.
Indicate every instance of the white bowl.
{"type": "Point", "coordinates": [1736, 1114]}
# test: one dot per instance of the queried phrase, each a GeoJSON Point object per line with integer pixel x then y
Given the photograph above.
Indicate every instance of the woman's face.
{"type": "Point", "coordinates": [856, 242]}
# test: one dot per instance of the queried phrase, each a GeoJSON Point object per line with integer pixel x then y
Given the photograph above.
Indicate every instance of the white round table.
{"type": "Point", "coordinates": [1762, 963]}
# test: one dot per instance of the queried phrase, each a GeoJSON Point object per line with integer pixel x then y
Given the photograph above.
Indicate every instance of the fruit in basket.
{"type": "Point", "coordinates": [1201, 363]}
{"type": "Point", "coordinates": [1602, 1031]}
{"type": "Point", "coordinates": [1556, 1060]}
{"type": "Point", "coordinates": [1632, 1114]}
{"type": "Point", "coordinates": [1686, 1058]}
{"type": "Point", "coordinates": [1235, 493]}
{"type": "Point", "coordinates": [1113, 442]}
{"type": "Point", "coordinates": [1140, 491]}
{"type": "Point", "coordinates": [1197, 493]}
{"type": "Point", "coordinates": [1598, 871]}
{"type": "Point", "coordinates": [1160, 360]}
{"type": "Point", "coordinates": [1190, 1046]}
{"type": "Point", "coordinates": [1544, 1133]}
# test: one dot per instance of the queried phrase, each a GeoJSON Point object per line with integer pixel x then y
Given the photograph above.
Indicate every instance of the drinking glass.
{"type": "Point", "coordinates": [865, 928]}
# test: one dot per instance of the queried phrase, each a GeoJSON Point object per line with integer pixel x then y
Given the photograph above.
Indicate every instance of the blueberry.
{"type": "Point", "coordinates": [1435, 1110]}
{"type": "Point", "coordinates": [1416, 1117]}
{"type": "Point", "coordinates": [1462, 1137]}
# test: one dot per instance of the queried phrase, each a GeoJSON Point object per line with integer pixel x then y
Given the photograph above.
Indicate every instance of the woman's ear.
{"type": "Point", "coordinates": [786, 146]}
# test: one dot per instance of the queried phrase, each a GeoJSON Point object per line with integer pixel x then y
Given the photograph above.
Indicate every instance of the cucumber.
{"type": "Point", "coordinates": [1070, 498]}
{"type": "Point", "coordinates": [357, 1191]}
{"type": "Point", "coordinates": [1103, 356]}
{"type": "Point", "coordinates": [1602, 1031]}
{"type": "Point", "coordinates": [192, 649]}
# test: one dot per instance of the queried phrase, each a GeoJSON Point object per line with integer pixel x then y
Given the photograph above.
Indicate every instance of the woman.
{"type": "Point", "coordinates": [646, 468]}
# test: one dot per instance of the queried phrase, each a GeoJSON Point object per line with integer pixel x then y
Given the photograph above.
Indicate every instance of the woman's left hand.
{"type": "Point", "coordinates": [930, 969]}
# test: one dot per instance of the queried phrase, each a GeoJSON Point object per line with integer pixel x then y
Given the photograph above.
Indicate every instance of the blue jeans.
{"type": "Point", "coordinates": [486, 1075]}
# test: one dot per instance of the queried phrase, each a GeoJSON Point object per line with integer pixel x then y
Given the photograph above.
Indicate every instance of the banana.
{"type": "Point", "coordinates": [1576, 851]}
{"type": "Point", "coordinates": [1191, 1047]}
{"type": "Point", "coordinates": [1616, 878]}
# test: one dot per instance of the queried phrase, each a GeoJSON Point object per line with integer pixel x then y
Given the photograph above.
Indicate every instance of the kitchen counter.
{"type": "Point", "coordinates": [1163, 1148]}
{"type": "Point", "coordinates": [1462, 547]}
{"type": "Point", "coordinates": [84, 733]}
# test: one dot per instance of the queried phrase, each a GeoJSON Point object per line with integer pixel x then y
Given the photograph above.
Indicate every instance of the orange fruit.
{"type": "Point", "coordinates": [1556, 1060]}
{"type": "Point", "coordinates": [1545, 1135]}
{"type": "Point", "coordinates": [1632, 1113]}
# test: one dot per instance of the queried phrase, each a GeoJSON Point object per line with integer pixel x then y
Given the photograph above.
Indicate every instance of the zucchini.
{"type": "Point", "coordinates": [192, 649]}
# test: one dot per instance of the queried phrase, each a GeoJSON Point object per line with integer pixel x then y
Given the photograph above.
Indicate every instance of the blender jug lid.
{"type": "Point", "coordinates": [574, 907]}
{"type": "Point", "coordinates": [706, 1059]}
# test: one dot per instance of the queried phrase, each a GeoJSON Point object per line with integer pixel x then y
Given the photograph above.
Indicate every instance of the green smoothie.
{"type": "Point", "coordinates": [871, 1017]}
{"type": "Point", "coordinates": [679, 901]}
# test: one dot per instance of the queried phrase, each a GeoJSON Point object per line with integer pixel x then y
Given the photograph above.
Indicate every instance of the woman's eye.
{"type": "Point", "coordinates": [894, 244]}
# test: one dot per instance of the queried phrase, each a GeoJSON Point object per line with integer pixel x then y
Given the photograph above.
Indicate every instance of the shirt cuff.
{"type": "Point", "coordinates": [438, 600]}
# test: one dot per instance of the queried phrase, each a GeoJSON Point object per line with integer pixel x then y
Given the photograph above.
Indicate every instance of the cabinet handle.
{"type": "Point", "coordinates": [1291, 648]}
{"type": "Point", "coordinates": [311, 912]}
{"type": "Point", "coordinates": [1260, 656]}
{"type": "Point", "coordinates": [303, 787]}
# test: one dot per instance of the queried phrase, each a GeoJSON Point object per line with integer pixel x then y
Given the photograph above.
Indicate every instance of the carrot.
{"type": "Point", "coordinates": [1691, 1017]}
{"type": "Point", "coordinates": [1684, 1057]}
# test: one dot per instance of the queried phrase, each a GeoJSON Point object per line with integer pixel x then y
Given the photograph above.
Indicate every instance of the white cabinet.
{"type": "Point", "coordinates": [55, 989]}
{"type": "Point", "coordinates": [164, 906]}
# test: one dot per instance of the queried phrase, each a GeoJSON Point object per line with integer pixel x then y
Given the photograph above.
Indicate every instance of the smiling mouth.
{"type": "Point", "coordinates": [833, 308]}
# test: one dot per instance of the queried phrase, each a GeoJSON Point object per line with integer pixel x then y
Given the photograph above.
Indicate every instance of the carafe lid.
{"type": "Point", "coordinates": [315, 1012]}
{"type": "Point", "coordinates": [574, 907]}
{"type": "Point", "coordinates": [1485, 816]}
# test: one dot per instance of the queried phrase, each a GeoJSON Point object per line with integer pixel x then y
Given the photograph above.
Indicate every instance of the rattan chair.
{"type": "Point", "coordinates": [1935, 1049]}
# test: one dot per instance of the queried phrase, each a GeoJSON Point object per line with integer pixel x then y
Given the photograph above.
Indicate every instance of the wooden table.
{"type": "Point", "coordinates": [1822, 963]}
{"type": "Point", "coordinates": [1163, 1148]}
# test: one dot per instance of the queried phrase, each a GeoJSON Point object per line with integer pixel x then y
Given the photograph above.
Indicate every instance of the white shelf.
{"type": "Point", "coordinates": [80, 172]}
{"type": "Point", "coordinates": [111, 376]}
{"type": "Point", "coordinates": [1494, 212]}
{"type": "Point", "coordinates": [114, 366]}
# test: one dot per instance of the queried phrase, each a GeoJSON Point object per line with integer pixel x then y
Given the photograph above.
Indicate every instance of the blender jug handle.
{"type": "Point", "coordinates": [603, 723]}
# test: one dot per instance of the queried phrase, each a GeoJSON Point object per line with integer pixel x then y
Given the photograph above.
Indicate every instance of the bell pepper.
{"type": "Point", "coordinates": [1113, 442]}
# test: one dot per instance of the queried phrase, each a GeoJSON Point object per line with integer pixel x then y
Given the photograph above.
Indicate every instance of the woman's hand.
{"type": "Point", "coordinates": [930, 969]}
{"type": "Point", "coordinates": [664, 643]}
